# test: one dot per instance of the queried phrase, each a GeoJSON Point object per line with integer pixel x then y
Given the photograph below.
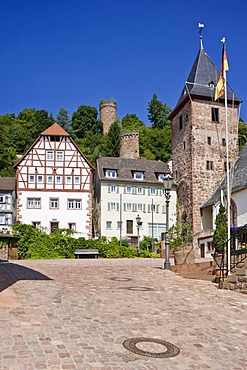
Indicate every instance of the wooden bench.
{"type": "Point", "coordinates": [86, 253]}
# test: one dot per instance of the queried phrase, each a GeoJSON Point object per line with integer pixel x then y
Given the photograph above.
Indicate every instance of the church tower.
{"type": "Point", "coordinates": [199, 138]}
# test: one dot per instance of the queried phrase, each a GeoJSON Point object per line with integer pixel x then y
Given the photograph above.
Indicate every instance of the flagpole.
{"type": "Point", "coordinates": [227, 178]}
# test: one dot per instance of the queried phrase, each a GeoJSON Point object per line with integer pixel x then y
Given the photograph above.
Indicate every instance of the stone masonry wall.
{"type": "Point", "coordinates": [108, 112]}
{"type": "Point", "coordinates": [130, 145]}
{"type": "Point", "coordinates": [191, 150]}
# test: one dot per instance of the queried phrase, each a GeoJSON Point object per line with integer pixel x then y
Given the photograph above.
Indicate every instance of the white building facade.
{"type": "Point", "coordinates": [54, 184]}
{"type": "Point", "coordinates": [127, 188]}
{"type": "Point", "coordinates": [7, 203]}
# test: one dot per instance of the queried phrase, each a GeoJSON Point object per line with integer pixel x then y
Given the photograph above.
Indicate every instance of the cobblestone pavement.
{"type": "Point", "coordinates": [76, 314]}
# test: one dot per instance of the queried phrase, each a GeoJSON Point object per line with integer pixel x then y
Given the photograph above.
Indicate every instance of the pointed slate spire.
{"type": "Point", "coordinates": [202, 80]}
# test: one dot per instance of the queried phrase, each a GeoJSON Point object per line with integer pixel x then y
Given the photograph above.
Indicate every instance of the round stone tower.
{"type": "Point", "coordinates": [130, 145]}
{"type": "Point", "coordinates": [108, 113]}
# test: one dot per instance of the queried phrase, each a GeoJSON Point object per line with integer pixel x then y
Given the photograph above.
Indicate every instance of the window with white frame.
{"type": "Point", "coordinates": [33, 203]}
{"type": "Point", "coordinates": [36, 224]}
{"type": "Point", "coordinates": [161, 176]}
{"type": "Point", "coordinates": [72, 226]}
{"type": "Point", "coordinates": [119, 225]}
{"type": "Point", "coordinates": [50, 155]}
{"type": "Point", "coordinates": [140, 207]}
{"type": "Point", "coordinates": [74, 203]}
{"type": "Point", "coordinates": [111, 173]}
{"type": "Point", "coordinates": [139, 190]}
{"type": "Point", "coordinates": [156, 229]}
{"type": "Point", "coordinates": [152, 191]}
{"type": "Point", "coordinates": [128, 206]}
{"type": "Point", "coordinates": [77, 179]}
{"type": "Point", "coordinates": [2, 198]}
{"type": "Point", "coordinates": [113, 206]}
{"type": "Point", "coordinates": [54, 203]}
{"type": "Point", "coordinates": [40, 178]}
{"type": "Point", "coordinates": [113, 189]}
{"type": "Point", "coordinates": [128, 189]}
{"type": "Point", "coordinates": [138, 175]}
{"type": "Point", "coordinates": [31, 178]}
{"type": "Point", "coordinates": [59, 156]}
{"type": "Point", "coordinates": [2, 219]}
{"type": "Point", "coordinates": [68, 179]}
{"type": "Point", "coordinates": [58, 179]}
{"type": "Point", "coordinates": [49, 179]}
{"type": "Point", "coordinates": [108, 224]}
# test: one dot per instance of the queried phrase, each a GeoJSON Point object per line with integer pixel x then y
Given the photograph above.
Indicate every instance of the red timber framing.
{"type": "Point", "coordinates": [54, 164]}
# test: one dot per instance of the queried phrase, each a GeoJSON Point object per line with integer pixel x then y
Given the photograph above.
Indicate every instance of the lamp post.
{"type": "Point", "coordinates": [168, 179]}
{"type": "Point", "coordinates": [138, 224]}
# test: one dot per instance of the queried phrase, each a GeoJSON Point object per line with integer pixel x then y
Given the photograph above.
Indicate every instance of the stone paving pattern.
{"type": "Point", "coordinates": [76, 314]}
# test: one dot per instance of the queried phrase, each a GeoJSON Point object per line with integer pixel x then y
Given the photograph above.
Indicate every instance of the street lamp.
{"type": "Point", "coordinates": [168, 180]}
{"type": "Point", "coordinates": [138, 223]}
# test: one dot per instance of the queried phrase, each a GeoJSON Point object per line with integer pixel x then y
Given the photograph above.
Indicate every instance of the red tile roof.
{"type": "Point", "coordinates": [55, 130]}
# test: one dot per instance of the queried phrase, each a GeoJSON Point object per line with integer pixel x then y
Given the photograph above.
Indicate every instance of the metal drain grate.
{"type": "Point", "coordinates": [171, 349]}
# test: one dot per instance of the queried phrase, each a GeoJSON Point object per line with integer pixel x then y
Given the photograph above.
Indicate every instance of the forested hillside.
{"type": "Point", "coordinates": [18, 132]}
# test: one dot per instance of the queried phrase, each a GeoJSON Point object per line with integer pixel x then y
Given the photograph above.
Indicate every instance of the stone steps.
{"type": "Point", "coordinates": [198, 270]}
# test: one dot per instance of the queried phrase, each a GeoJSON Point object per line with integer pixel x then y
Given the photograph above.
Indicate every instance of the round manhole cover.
{"type": "Point", "coordinates": [138, 288]}
{"type": "Point", "coordinates": [171, 349]}
{"type": "Point", "coordinates": [120, 279]}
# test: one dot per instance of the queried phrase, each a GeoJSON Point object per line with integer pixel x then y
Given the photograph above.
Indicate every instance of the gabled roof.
{"type": "Point", "coordinates": [55, 130]}
{"type": "Point", "coordinates": [7, 183]}
{"type": "Point", "coordinates": [239, 179]}
{"type": "Point", "coordinates": [125, 168]}
{"type": "Point", "coordinates": [201, 82]}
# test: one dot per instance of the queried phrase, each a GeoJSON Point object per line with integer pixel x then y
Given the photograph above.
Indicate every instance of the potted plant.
{"type": "Point", "coordinates": [180, 239]}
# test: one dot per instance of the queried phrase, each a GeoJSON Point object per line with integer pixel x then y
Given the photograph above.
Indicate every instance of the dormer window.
{"type": "Point", "coordinates": [111, 173]}
{"type": "Point", "coordinates": [161, 176]}
{"type": "Point", "coordinates": [138, 175]}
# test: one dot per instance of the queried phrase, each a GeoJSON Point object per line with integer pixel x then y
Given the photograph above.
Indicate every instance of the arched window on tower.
{"type": "Point", "coordinates": [233, 214]}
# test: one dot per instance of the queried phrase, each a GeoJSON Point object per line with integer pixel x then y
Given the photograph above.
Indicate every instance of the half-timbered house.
{"type": "Point", "coordinates": [54, 184]}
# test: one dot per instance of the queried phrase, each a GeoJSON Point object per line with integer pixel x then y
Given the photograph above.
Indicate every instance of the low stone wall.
{"type": "Point", "coordinates": [4, 253]}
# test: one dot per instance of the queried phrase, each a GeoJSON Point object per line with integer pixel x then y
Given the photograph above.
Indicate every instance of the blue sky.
{"type": "Point", "coordinates": [67, 53]}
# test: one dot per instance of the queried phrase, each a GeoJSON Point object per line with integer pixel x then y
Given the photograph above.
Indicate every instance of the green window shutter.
{"type": "Point", "coordinates": [157, 208]}
{"type": "Point", "coordinates": [124, 206]}
{"type": "Point", "coordinates": [108, 206]}
{"type": "Point", "coordinates": [135, 207]}
{"type": "Point", "coordinates": [117, 206]}
{"type": "Point", "coordinates": [144, 207]}
{"type": "Point", "coordinates": [163, 208]}
{"type": "Point", "coordinates": [125, 190]}
{"type": "Point", "coordinates": [109, 189]}
{"type": "Point", "coordinates": [148, 191]}
{"type": "Point", "coordinates": [117, 189]}
{"type": "Point", "coordinates": [149, 208]}
{"type": "Point", "coordinates": [143, 191]}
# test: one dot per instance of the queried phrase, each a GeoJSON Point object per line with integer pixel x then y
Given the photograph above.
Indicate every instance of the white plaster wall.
{"type": "Point", "coordinates": [146, 217]}
{"type": "Point", "coordinates": [240, 198]}
{"type": "Point", "coordinates": [63, 215]}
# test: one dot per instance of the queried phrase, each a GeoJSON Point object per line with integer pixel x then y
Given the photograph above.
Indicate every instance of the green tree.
{"type": "Point", "coordinates": [242, 133]}
{"type": "Point", "coordinates": [112, 140]}
{"type": "Point", "coordinates": [220, 233]}
{"type": "Point", "coordinates": [132, 122]}
{"type": "Point", "coordinates": [63, 119]}
{"type": "Point", "coordinates": [158, 112]}
{"type": "Point", "coordinates": [85, 120]}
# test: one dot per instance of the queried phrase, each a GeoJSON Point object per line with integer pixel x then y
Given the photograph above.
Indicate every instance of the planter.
{"type": "Point", "coordinates": [220, 273]}
{"type": "Point", "coordinates": [184, 256]}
